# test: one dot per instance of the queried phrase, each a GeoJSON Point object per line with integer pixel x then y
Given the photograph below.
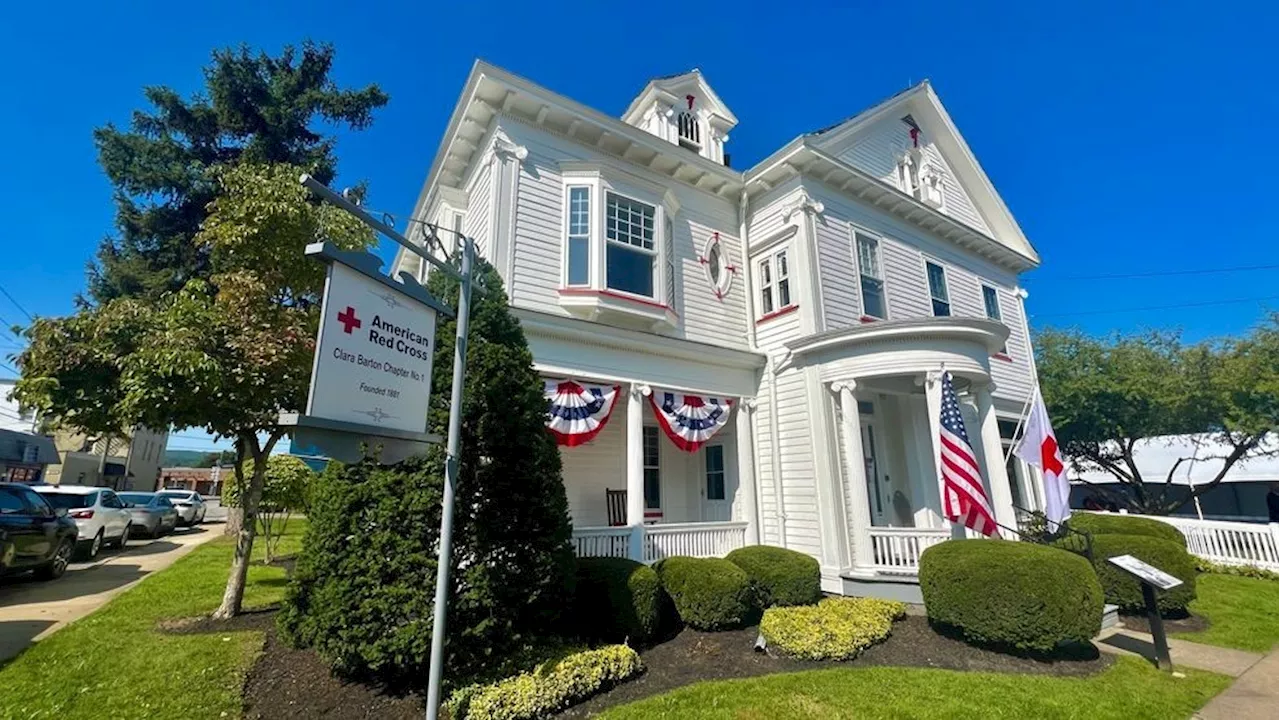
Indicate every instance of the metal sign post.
{"type": "Point", "coordinates": [1151, 578]}
{"type": "Point", "coordinates": [454, 442]}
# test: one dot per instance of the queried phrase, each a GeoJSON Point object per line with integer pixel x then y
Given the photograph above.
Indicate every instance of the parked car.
{"type": "Point", "coordinates": [33, 534]}
{"type": "Point", "coordinates": [152, 513]}
{"type": "Point", "coordinates": [98, 512]}
{"type": "Point", "coordinates": [190, 506]}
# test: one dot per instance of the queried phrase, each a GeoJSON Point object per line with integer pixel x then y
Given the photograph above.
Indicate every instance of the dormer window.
{"type": "Point", "coordinates": [688, 131]}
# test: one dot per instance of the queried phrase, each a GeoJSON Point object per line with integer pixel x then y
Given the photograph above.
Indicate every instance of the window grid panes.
{"type": "Point", "coordinates": [938, 289]}
{"type": "Point", "coordinates": [578, 271]}
{"type": "Point", "coordinates": [872, 278]}
{"type": "Point", "coordinates": [629, 256]}
{"type": "Point", "coordinates": [991, 301]}
{"type": "Point", "coordinates": [784, 284]}
{"type": "Point", "coordinates": [715, 472]}
{"type": "Point", "coordinates": [766, 288]}
{"type": "Point", "coordinates": [629, 221]}
{"type": "Point", "coordinates": [652, 477]}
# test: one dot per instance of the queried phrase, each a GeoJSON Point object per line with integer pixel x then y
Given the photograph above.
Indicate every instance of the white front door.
{"type": "Point", "coordinates": [715, 495]}
{"type": "Point", "coordinates": [879, 494]}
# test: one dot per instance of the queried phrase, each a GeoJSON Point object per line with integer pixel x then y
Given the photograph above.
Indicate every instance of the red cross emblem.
{"type": "Point", "coordinates": [349, 320]}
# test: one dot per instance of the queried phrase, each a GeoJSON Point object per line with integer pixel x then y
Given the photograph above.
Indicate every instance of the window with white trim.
{"type": "Point", "coordinates": [775, 282]}
{"type": "Point", "coordinates": [991, 302]}
{"type": "Point", "coordinates": [938, 289]}
{"type": "Point", "coordinates": [578, 265]}
{"type": "Point", "coordinates": [871, 275]}
{"type": "Point", "coordinates": [715, 472]}
{"type": "Point", "coordinates": [630, 258]}
{"type": "Point", "coordinates": [687, 131]}
{"type": "Point", "coordinates": [652, 468]}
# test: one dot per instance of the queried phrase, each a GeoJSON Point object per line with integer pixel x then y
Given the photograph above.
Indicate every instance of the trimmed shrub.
{"type": "Point", "coordinates": [834, 629]}
{"type": "Point", "coordinates": [549, 688]}
{"type": "Point", "coordinates": [779, 577]}
{"type": "Point", "coordinates": [709, 593]}
{"type": "Point", "coordinates": [1015, 595]}
{"type": "Point", "coordinates": [616, 600]}
{"type": "Point", "coordinates": [1126, 592]}
{"type": "Point", "coordinates": [1097, 524]}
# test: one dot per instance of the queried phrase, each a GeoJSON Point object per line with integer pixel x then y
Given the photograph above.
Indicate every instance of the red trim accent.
{"type": "Point", "coordinates": [868, 319]}
{"type": "Point", "coordinates": [685, 445]}
{"type": "Point", "coordinates": [568, 440]}
{"type": "Point", "coordinates": [653, 513]}
{"type": "Point", "coordinates": [618, 295]}
{"type": "Point", "coordinates": [777, 313]}
{"type": "Point", "coordinates": [690, 99]}
{"type": "Point", "coordinates": [1002, 356]}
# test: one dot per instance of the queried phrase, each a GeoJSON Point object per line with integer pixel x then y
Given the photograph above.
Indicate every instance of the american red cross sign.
{"type": "Point", "coordinates": [349, 320]}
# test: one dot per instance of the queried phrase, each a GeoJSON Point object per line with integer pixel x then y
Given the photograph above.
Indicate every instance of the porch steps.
{"type": "Point", "coordinates": [1110, 616]}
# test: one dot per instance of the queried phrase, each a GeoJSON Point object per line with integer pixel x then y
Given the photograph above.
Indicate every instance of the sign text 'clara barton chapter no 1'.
{"type": "Point", "coordinates": [373, 359]}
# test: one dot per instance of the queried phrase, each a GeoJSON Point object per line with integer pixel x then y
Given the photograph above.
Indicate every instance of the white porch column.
{"type": "Point", "coordinates": [745, 440]}
{"type": "Point", "coordinates": [856, 472]}
{"type": "Point", "coordinates": [635, 468]}
{"type": "Point", "coordinates": [993, 453]}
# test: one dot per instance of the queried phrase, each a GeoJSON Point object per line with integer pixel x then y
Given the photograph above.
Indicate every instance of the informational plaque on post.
{"type": "Point", "coordinates": [1149, 574]}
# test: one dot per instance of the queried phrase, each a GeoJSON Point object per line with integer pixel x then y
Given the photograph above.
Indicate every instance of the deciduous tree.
{"type": "Point", "coordinates": [1105, 396]}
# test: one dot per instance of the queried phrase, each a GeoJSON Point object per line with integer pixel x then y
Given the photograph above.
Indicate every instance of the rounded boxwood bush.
{"type": "Point", "coordinates": [616, 599]}
{"type": "Point", "coordinates": [709, 593]}
{"type": "Point", "coordinates": [1126, 592]}
{"type": "Point", "coordinates": [1017, 595]}
{"type": "Point", "coordinates": [779, 577]}
{"type": "Point", "coordinates": [834, 629]}
{"type": "Point", "coordinates": [1097, 524]}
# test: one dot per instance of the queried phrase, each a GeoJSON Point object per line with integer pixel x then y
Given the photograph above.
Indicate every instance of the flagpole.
{"type": "Point", "coordinates": [1021, 294]}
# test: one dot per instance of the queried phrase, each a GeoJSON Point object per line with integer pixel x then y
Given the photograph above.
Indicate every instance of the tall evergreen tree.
{"type": "Point", "coordinates": [255, 107]}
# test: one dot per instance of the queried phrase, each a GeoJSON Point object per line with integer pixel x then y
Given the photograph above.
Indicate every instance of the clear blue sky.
{"type": "Point", "coordinates": [1124, 138]}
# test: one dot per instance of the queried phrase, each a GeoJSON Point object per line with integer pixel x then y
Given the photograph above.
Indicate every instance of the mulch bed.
{"type": "Point", "coordinates": [1188, 623]}
{"type": "Point", "coordinates": [694, 656]}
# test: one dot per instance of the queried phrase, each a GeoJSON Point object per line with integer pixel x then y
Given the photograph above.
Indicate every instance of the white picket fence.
{"type": "Point", "coordinates": [1228, 543]}
{"type": "Point", "coordinates": [701, 539]}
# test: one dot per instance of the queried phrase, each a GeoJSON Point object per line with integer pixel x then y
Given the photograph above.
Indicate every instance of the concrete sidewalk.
{"type": "Point", "coordinates": [1252, 695]}
{"type": "Point", "coordinates": [1183, 653]}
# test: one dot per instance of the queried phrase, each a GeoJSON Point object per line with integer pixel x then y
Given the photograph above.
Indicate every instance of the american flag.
{"type": "Point", "coordinates": [963, 498]}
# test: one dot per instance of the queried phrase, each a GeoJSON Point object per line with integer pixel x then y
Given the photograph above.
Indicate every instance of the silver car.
{"type": "Point", "coordinates": [152, 513]}
{"type": "Point", "coordinates": [190, 506]}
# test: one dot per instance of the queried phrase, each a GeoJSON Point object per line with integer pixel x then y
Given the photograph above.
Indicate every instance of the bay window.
{"type": "Point", "coordinates": [775, 282]}
{"type": "Point", "coordinates": [629, 252]}
{"type": "Point", "coordinates": [578, 266]}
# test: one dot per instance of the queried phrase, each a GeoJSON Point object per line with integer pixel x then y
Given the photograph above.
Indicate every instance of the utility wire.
{"type": "Point", "coordinates": [1158, 273]}
{"type": "Point", "coordinates": [1154, 307]}
{"type": "Point", "coordinates": [16, 304]}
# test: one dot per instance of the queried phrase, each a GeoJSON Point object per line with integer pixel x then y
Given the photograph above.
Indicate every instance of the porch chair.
{"type": "Point", "coordinates": [616, 502]}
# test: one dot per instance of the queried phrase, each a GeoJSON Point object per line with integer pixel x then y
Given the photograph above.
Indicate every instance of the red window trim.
{"type": "Point", "coordinates": [1002, 356]}
{"type": "Point", "coordinates": [619, 296]}
{"type": "Point", "coordinates": [777, 313]}
{"type": "Point", "coordinates": [871, 318]}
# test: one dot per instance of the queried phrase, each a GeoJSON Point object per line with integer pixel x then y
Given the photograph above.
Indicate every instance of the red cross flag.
{"type": "Point", "coordinates": [1039, 447]}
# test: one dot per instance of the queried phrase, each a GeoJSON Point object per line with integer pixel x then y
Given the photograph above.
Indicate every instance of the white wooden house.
{"type": "Point", "coordinates": [816, 297]}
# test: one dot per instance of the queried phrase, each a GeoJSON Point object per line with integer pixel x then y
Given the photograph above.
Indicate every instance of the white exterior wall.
{"type": "Point", "coordinates": [876, 150]}
{"type": "Point", "coordinates": [539, 231]}
{"type": "Point", "coordinates": [476, 224]}
{"type": "Point", "coordinates": [903, 251]}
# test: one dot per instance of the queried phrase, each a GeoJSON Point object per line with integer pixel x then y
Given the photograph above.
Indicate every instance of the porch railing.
{"type": "Point", "coordinates": [898, 550]}
{"type": "Point", "coordinates": [1229, 543]}
{"type": "Point", "coordinates": [702, 539]}
{"type": "Point", "coordinates": [602, 541]}
{"type": "Point", "coordinates": [709, 539]}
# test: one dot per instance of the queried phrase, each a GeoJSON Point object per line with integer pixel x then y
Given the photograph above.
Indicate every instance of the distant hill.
{"type": "Point", "coordinates": [188, 458]}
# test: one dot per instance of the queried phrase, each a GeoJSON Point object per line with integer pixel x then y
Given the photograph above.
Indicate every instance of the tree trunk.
{"type": "Point", "coordinates": [234, 594]}
{"type": "Point", "coordinates": [235, 521]}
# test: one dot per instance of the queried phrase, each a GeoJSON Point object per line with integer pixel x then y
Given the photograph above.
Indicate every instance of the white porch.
{"type": "Point", "coordinates": [633, 493]}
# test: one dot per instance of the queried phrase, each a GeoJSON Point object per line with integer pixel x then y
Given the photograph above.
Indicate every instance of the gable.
{"type": "Point", "coordinates": [876, 141]}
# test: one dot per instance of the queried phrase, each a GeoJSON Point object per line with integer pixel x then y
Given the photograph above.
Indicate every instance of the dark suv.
{"type": "Point", "coordinates": [33, 536]}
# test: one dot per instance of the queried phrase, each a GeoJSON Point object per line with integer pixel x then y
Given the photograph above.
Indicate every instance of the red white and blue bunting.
{"type": "Point", "coordinates": [577, 413]}
{"type": "Point", "coordinates": [689, 420]}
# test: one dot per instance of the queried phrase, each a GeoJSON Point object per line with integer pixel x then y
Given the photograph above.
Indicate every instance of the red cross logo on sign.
{"type": "Point", "coordinates": [349, 320]}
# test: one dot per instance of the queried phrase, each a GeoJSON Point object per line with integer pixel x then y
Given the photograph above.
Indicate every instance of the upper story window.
{"type": "Point", "coordinates": [775, 282]}
{"type": "Point", "coordinates": [578, 267]}
{"type": "Point", "coordinates": [630, 258]}
{"type": "Point", "coordinates": [938, 289]}
{"type": "Point", "coordinates": [719, 270]}
{"type": "Point", "coordinates": [871, 275]}
{"type": "Point", "coordinates": [688, 132]}
{"type": "Point", "coordinates": [991, 302]}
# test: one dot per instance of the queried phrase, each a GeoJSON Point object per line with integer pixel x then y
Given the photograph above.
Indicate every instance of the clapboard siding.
{"type": "Point", "coordinates": [539, 221]}
{"type": "Point", "coordinates": [876, 149]}
{"type": "Point", "coordinates": [903, 252]}
{"type": "Point", "coordinates": [841, 304]}
{"type": "Point", "coordinates": [479, 205]}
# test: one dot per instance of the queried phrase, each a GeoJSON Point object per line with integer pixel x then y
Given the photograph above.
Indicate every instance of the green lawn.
{"type": "Point", "coordinates": [1129, 690]}
{"type": "Point", "coordinates": [114, 664]}
{"type": "Point", "coordinates": [1243, 612]}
